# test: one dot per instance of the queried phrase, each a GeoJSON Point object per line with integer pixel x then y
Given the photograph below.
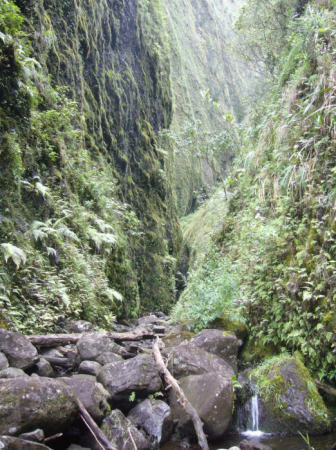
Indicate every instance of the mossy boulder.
{"type": "Point", "coordinates": [236, 327]}
{"type": "Point", "coordinates": [29, 403]}
{"type": "Point", "coordinates": [288, 398]}
{"type": "Point", "coordinates": [220, 343]}
{"type": "Point", "coordinates": [255, 351]}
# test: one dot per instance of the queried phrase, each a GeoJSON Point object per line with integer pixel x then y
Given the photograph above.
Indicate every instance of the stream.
{"type": "Point", "coordinates": [274, 442]}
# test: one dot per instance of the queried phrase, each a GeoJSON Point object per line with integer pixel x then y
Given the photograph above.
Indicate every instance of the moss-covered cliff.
{"type": "Point", "coordinates": [209, 82]}
{"type": "Point", "coordinates": [88, 226]}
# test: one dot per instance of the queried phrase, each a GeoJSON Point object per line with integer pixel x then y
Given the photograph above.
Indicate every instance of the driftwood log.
{"type": "Point", "coordinates": [93, 427]}
{"type": "Point", "coordinates": [173, 384]}
{"type": "Point", "coordinates": [53, 340]}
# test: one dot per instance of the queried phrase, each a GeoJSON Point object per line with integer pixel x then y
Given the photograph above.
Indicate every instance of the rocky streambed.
{"type": "Point", "coordinates": [114, 377]}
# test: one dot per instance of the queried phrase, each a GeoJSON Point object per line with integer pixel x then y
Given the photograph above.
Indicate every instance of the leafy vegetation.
{"type": "Point", "coordinates": [85, 202]}
{"type": "Point", "coordinates": [277, 233]}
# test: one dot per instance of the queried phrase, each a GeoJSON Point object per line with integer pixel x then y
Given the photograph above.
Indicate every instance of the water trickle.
{"type": "Point", "coordinates": [255, 413]}
{"type": "Point", "coordinates": [255, 432]}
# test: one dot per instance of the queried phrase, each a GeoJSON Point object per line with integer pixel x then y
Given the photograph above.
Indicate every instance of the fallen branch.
{"type": "Point", "coordinates": [62, 362]}
{"type": "Point", "coordinates": [325, 389]}
{"type": "Point", "coordinates": [172, 382]}
{"type": "Point", "coordinates": [93, 427]}
{"type": "Point", "coordinates": [54, 340]}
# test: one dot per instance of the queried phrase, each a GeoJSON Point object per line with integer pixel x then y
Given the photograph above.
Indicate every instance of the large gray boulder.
{"type": "Point", "coordinates": [93, 395]}
{"type": "Point", "coordinates": [139, 375]}
{"type": "Point", "coordinates": [155, 418]}
{"type": "Point", "coordinates": [92, 345]}
{"type": "Point", "coordinates": [89, 368]}
{"type": "Point", "coordinates": [187, 359]}
{"type": "Point", "coordinates": [220, 343]}
{"type": "Point", "coordinates": [13, 443]}
{"type": "Point", "coordinates": [288, 398]}
{"type": "Point", "coordinates": [29, 403]}
{"type": "Point", "coordinates": [18, 349]}
{"type": "Point", "coordinates": [122, 433]}
{"type": "Point", "coordinates": [12, 372]}
{"type": "Point", "coordinates": [212, 396]}
{"type": "Point", "coordinates": [3, 361]}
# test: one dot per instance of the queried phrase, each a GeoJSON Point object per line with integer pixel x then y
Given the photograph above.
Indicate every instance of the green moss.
{"type": "Point", "coordinates": [283, 380]}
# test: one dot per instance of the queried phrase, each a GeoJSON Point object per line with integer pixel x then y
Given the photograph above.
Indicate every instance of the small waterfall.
{"type": "Point", "coordinates": [254, 418]}
{"type": "Point", "coordinates": [255, 413]}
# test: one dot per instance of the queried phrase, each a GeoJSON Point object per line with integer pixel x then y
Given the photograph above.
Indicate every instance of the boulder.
{"type": "Point", "coordinates": [139, 374]}
{"type": "Point", "coordinates": [155, 418]}
{"type": "Point", "coordinates": [288, 398]}
{"type": "Point", "coordinates": [44, 369]}
{"type": "Point", "coordinates": [89, 368]}
{"type": "Point", "coordinates": [149, 320]}
{"type": "Point", "coordinates": [12, 443]}
{"type": "Point", "coordinates": [212, 396]}
{"type": "Point", "coordinates": [187, 359]}
{"type": "Point", "coordinates": [79, 326]}
{"type": "Point", "coordinates": [122, 433]}
{"type": "Point", "coordinates": [247, 444]}
{"type": "Point", "coordinates": [36, 435]}
{"type": "Point", "coordinates": [12, 372]}
{"type": "Point", "coordinates": [3, 361]}
{"type": "Point", "coordinates": [220, 343]}
{"type": "Point", "coordinates": [108, 358]}
{"type": "Point", "coordinates": [28, 403]}
{"type": "Point", "coordinates": [93, 395]}
{"type": "Point", "coordinates": [92, 345]}
{"type": "Point", "coordinates": [20, 353]}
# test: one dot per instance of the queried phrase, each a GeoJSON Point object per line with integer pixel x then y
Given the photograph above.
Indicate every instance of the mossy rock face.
{"type": "Point", "coordinates": [256, 352]}
{"type": "Point", "coordinates": [289, 400]}
{"type": "Point", "coordinates": [236, 327]}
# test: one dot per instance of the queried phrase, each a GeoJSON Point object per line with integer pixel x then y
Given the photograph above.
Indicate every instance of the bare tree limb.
{"type": "Point", "coordinates": [53, 340]}
{"type": "Point", "coordinates": [93, 427]}
{"type": "Point", "coordinates": [172, 382]}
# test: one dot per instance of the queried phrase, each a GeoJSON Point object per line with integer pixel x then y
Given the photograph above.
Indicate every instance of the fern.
{"type": "Point", "coordinates": [14, 253]}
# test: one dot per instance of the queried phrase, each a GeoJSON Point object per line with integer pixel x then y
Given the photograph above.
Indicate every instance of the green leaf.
{"type": "Point", "coordinates": [14, 253]}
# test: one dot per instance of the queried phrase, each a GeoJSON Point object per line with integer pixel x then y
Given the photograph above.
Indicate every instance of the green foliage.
{"type": "Point", "coordinates": [10, 18]}
{"type": "Point", "coordinates": [263, 29]}
{"type": "Point", "coordinates": [84, 196]}
{"type": "Point", "coordinates": [14, 253]}
{"type": "Point", "coordinates": [211, 293]}
{"type": "Point", "coordinates": [278, 229]}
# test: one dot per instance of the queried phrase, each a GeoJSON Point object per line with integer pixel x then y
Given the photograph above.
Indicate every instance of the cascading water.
{"type": "Point", "coordinates": [254, 411]}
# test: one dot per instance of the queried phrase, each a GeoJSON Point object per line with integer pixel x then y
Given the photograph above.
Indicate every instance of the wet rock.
{"type": "Point", "coordinates": [212, 397]}
{"type": "Point", "coordinates": [20, 353]}
{"type": "Point", "coordinates": [177, 337]}
{"type": "Point", "coordinates": [89, 368]}
{"type": "Point", "coordinates": [36, 435]}
{"type": "Point", "coordinates": [29, 403]}
{"type": "Point", "coordinates": [148, 320]}
{"type": "Point", "coordinates": [252, 445]}
{"type": "Point", "coordinates": [288, 398]}
{"type": "Point", "coordinates": [121, 432]}
{"type": "Point", "coordinates": [12, 372]}
{"type": "Point", "coordinates": [220, 343]}
{"type": "Point", "coordinates": [12, 443]}
{"type": "Point", "coordinates": [77, 447]}
{"type": "Point", "coordinates": [93, 395]}
{"type": "Point", "coordinates": [108, 358]}
{"type": "Point", "coordinates": [3, 361]}
{"type": "Point", "coordinates": [187, 359]}
{"type": "Point", "coordinates": [92, 345]}
{"type": "Point", "coordinates": [44, 368]}
{"type": "Point", "coordinates": [139, 374]}
{"type": "Point", "coordinates": [79, 326]}
{"type": "Point", "coordinates": [155, 418]}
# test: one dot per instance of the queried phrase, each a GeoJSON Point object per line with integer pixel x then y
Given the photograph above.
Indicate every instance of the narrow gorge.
{"type": "Point", "coordinates": [167, 224]}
